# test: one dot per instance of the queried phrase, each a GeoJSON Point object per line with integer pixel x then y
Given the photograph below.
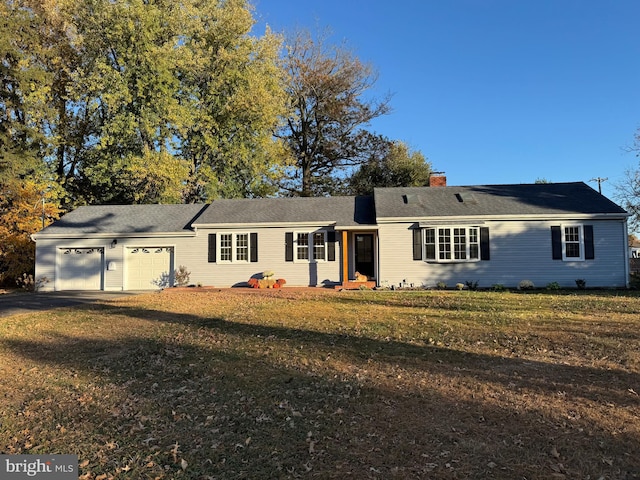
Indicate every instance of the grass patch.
{"type": "Point", "coordinates": [315, 384]}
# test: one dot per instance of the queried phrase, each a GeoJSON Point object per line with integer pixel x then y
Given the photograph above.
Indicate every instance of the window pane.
{"type": "Point", "coordinates": [573, 250]}
{"type": "Point", "coordinates": [303, 246]}
{"type": "Point", "coordinates": [474, 244]}
{"type": "Point", "coordinates": [242, 247]}
{"type": "Point", "coordinates": [318, 246]}
{"type": "Point", "coordinates": [430, 243]}
{"type": "Point", "coordinates": [444, 243]}
{"type": "Point", "coordinates": [572, 242]}
{"type": "Point", "coordinates": [459, 244]}
{"type": "Point", "coordinates": [225, 247]}
{"type": "Point", "coordinates": [572, 234]}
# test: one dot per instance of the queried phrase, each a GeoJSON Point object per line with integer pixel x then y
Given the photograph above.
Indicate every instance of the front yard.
{"type": "Point", "coordinates": [320, 384]}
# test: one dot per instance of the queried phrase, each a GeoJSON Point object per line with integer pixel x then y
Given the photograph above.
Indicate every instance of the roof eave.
{"type": "Point", "coordinates": [546, 216]}
{"type": "Point", "coordinates": [42, 236]}
{"type": "Point", "coordinates": [319, 223]}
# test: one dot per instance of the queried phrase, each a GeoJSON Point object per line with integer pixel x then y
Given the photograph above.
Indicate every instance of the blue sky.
{"type": "Point", "coordinates": [495, 91]}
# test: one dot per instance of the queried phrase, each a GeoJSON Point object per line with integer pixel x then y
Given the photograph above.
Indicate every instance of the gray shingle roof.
{"type": "Point", "coordinates": [127, 219]}
{"type": "Point", "coordinates": [517, 200]}
{"type": "Point", "coordinates": [410, 202]}
{"type": "Point", "coordinates": [343, 211]}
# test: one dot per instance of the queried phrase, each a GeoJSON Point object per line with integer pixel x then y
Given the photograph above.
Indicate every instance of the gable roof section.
{"type": "Point", "coordinates": [535, 200]}
{"type": "Point", "coordinates": [345, 211]}
{"type": "Point", "coordinates": [112, 220]}
{"type": "Point", "coordinates": [387, 204]}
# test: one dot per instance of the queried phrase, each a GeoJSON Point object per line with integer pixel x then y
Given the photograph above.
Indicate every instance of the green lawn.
{"type": "Point", "coordinates": [247, 384]}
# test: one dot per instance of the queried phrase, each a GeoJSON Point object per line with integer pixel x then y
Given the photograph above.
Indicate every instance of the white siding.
{"type": "Point", "coordinates": [271, 256]}
{"type": "Point", "coordinates": [519, 250]}
{"type": "Point", "coordinates": [46, 264]}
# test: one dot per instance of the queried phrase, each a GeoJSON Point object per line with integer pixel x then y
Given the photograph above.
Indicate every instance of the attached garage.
{"type": "Point", "coordinates": [80, 269]}
{"type": "Point", "coordinates": [149, 268]}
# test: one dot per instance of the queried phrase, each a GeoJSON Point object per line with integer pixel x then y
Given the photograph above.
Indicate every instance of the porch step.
{"type": "Point", "coordinates": [355, 285]}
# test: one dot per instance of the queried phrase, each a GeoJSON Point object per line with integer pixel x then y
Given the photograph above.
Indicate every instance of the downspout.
{"type": "Point", "coordinates": [627, 264]}
{"type": "Point", "coordinates": [378, 276]}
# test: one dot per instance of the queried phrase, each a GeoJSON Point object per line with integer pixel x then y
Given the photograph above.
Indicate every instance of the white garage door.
{"type": "Point", "coordinates": [80, 269]}
{"type": "Point", "coordinates": [149, 268]}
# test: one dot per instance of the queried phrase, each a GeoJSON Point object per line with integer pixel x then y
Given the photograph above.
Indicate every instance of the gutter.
{"type": "Point", "coordinates": [479, 218]}
{"type": "Point", "coordinates": [44, 236]}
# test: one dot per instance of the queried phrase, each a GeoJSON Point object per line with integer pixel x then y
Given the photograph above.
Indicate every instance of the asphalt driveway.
{"type": "Point", "coordinates": [22, 302]}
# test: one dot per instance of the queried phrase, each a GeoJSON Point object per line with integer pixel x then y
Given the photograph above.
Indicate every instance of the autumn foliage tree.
{"type": "Point", "coordinates": [325, 129]}
{"type": "Point", "coordinates": [23, 211]}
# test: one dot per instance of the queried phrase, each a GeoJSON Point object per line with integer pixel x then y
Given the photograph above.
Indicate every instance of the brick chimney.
{"type": "Point", "coordinates": [437, 179]}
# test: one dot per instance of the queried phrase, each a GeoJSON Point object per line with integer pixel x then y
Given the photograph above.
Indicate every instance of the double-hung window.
{"type": "Point", "coordinates": [311, 246]}
{"type": "Point", "coordinates": [233, 247]}
{"type": "Point", "coordinates": [302, 246]}
{"type": "Point", "coordinates": [451, 244]}
{"type": "Point", "coordinates": [572, 243]}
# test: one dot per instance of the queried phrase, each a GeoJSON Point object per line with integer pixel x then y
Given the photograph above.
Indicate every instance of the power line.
{"type": "Point", "coordinates": [600, 181]}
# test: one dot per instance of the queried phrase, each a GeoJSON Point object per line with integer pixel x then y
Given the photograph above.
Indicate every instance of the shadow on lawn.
{"type": "Point", "coordinates": [239, 408]}
{"type": "Point", "coordinates": [577, 381]}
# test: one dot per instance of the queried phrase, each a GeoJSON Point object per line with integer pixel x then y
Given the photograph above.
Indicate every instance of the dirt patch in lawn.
{"type": "Point", "coordinates": [305, 384]}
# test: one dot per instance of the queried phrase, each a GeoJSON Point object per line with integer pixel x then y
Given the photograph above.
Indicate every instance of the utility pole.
{"type": "Point", "coordinates": [600, 181]}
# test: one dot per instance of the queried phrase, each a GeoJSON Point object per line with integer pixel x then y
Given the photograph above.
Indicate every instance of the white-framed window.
{"type": "Point", "coordinates": [451, 244]}
{"type": "Point", "coordinates": [233, 247]}
{"type": "Point", "coordinates": [572, 242]}
{"type": "Point", "coordinates": [310, 246]}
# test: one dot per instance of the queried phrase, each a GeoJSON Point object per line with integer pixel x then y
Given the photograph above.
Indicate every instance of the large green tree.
{"type": "Point", "coordinates": [145, 100]}
{"type": "Point", "coordinates": [325, 130]}
{"type": "Point", "coordinates": [393, 165]}
{"type": "Point", "coordinates": [23, 86]}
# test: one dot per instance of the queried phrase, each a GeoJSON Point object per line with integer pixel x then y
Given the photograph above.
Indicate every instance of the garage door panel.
{"type": "Point", "coordinates": [80, 269]}
{"type": "Point", "coordinates": [149, 268]}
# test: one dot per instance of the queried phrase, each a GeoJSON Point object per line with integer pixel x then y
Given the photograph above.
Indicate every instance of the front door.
{"type": "Point", "coordinates": [364, 257]}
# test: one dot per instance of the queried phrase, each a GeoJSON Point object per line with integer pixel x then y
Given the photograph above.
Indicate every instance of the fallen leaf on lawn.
{"type": "Point", "coordinates": [184, 464]}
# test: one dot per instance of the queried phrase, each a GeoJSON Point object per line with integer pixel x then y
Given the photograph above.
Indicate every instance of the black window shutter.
{"type": "Point", "coordinates": [212, 248]}
{"type": "Point", "coordinates": [556, 243]}
{"type": "Point", "coordinates": [417, 244]}
{"type": "Point", "coordinates": [485, 253]}
{"type": "Point", "coordinates": [288, 247]}
{"type": "Point", "coordinates": [254, 246]}
{"type": "Point", "coordinates": [589, 250]}
{"type": "Point", "coordinates": [331, 247]}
